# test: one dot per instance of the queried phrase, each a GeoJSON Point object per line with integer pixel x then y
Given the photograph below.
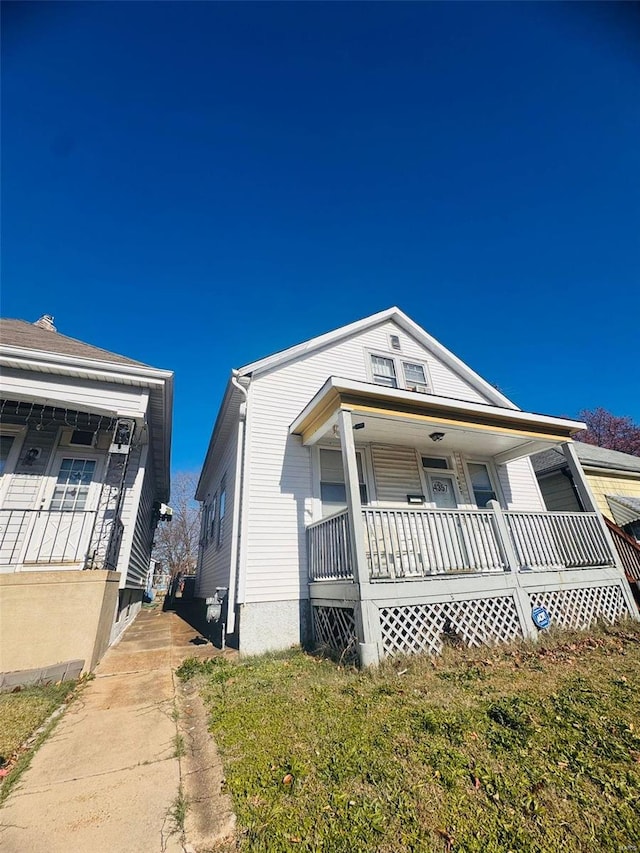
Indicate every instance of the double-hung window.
{"type": "Point", "coordinates": [483, 490]}
{"type": "Point", "coordinates": [333, 491]}
{"type": "Point", "coordinates": [414, 376]}
{"type": "Point", "coordinates": [384, 371]}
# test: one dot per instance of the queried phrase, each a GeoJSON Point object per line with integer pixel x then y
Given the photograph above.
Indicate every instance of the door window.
{"type": "Point", "coordinates": [72, 486]}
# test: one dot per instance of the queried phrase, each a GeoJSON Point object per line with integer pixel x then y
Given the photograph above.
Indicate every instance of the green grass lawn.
{"type": "Point", "coordinates": [21, 714]}
{"type": "Point", "coordinates": [517, 749]}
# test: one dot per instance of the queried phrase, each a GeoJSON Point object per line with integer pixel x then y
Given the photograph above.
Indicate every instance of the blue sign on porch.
{"type": "Point", "coordinates": [540, 616]}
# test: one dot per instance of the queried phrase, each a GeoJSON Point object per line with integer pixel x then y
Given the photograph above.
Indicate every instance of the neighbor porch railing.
{"type": "Point", "coordinates": [37, 537]}
{"type": "Point", "coordinates": [416, 543]}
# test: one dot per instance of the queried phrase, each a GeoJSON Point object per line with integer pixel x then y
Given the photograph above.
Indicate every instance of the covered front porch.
{"type": "Point", "coordinates": [440, 534]}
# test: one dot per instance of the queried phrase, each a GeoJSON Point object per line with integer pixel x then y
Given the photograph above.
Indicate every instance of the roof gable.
{"type": "Point", "coordinates": [404, 322]}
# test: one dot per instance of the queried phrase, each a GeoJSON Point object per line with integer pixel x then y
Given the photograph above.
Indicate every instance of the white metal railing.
{"type": "Point", "coordinates": [409, 543]}
{"type": "Point", "coordinates": [45, 537]}
{"type": "Point", "coordinates": [329, 548]}
{"type": "Point", "coordinates": [558, 540]}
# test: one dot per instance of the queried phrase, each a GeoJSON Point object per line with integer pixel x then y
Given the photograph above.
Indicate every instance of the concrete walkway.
{"type": "Point", "coordinates": [108, 778]}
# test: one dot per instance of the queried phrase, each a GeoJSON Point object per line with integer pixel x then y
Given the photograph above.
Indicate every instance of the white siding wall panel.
{"type": "Point", "coordinates": [520, 486]}
{"type": "Point", "coordinates": [215, 563]}
{"type": "Point", "coordinates": [70, 392]}
{"type": "Point", "coordinates": [143, 531]}
{"type": "Point", "coordinates": [279, 504]}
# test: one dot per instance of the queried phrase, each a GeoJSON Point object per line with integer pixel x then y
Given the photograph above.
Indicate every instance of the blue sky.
{"type": "Point", "coordinates": [196, 185]}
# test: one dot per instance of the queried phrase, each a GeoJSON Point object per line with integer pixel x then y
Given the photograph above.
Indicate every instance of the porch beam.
{"type": "Point", "coordinates": [522, 450]}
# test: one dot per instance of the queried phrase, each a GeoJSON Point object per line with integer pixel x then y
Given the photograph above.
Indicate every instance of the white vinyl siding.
{"type": "Point", "coordinates": [143, 532]}
{"type": "Point", "coordinates": [520, 487]}
{"type": "Point", "coordinates": [396, 474]}
{"type": "Point", "coordinates": [75, 393]}
{"type": "Point", "coordinates": [214, 562]}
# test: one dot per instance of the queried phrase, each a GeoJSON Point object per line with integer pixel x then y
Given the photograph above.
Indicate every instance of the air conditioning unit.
{"type": "Point", "coordinates": [122, 436]}
{"type": "Point", "coordinates": [419, 388]}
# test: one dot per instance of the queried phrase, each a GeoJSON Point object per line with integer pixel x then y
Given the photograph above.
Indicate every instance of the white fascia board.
{"type": "Point", "coordinates": [312, 344]}
{"type": "Point", "coordinates": [105, 371]}
{"type": "Point", "coordinates": [456, 407]}
{"type": "Point", "coordinates": [406, 323]}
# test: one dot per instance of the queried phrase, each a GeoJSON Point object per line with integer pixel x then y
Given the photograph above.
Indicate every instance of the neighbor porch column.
{"type": "Point", "coordinates": [366, 631]}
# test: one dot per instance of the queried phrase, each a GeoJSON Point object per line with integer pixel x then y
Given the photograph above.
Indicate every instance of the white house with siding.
{"type": "Point", "coordinates": [85, 441]}
{"type": "Point", "coordinates": [368, 490]}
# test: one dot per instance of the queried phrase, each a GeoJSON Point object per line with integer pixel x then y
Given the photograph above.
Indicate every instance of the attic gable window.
{"type": "Point", "coordinates": [414, 377]}
{"type": "Point", "coordinates": [395, 372]}
{"type": "Point", "coordinates": [394, 340]}
{"type": "Point", "coordinates": [384, 371]}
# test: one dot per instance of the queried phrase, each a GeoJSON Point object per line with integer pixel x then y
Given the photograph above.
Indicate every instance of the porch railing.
{"type": "Point", "coordinates": [418, 542]}
{"type": "Point", "coordinates": [32, 536]}
{"type": "Point", "coordinates": [329, 545]}
{"type": "Point", "coordinates": [557, 540]}
{"type": "Point", "coordinates": [415, 543]}
{"type": "Point", "coordinates": [628, 550]}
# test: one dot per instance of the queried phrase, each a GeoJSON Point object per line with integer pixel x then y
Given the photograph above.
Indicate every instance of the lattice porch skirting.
{"type": "Point", "coordinates": [408, 629]}
{"type": "Point", "coordinates": [335, 628]}
{"type": "Point", "coordinates": [580, 608]}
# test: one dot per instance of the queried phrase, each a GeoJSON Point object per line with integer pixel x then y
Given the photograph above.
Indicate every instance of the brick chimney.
{"type": "Point", "coordinates": [46, 322]}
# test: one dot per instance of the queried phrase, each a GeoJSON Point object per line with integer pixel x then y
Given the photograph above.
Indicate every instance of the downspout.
{"type": "Point", "coordinates": [237, 495]}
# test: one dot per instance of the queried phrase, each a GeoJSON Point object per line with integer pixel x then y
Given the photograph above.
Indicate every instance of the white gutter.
{"type": "Point", "coordinates": [236, 530]}
{"type": "Point", "coordinates": [37, 359]}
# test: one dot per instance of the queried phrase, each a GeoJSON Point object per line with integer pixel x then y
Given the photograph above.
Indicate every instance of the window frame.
{"type": "Point", "coordinates": [18, 433]}
{"type": "Point", "coordinates": [222, 512]}
{"type": "Point", "coordinates": [365, 463]}
{"type": "Point", "coordinates": [493, 479]}
{"type": "Point", "coordinates": [399, 360]}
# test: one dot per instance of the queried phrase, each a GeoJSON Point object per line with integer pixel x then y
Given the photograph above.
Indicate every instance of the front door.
{"type": "Point", "coordinates": [62, 527]}
{"type": "Point", "coordinates": [442, 491]}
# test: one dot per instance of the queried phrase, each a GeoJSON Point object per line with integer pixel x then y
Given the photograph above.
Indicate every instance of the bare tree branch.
{"type": "Point", "coordinates": [176, 541]}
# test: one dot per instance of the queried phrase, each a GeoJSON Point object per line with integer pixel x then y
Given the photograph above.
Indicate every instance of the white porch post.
{"type": "Point", "coordinates": [589, 503]}
{"type": "Point", "coordinates": [366, 630]}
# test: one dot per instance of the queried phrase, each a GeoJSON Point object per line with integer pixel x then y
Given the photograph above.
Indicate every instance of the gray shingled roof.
{"type": "Point", "coordinates": [625, 509]}
{"type": "Point", "coordinates": [590, 456]}
{"type": "Point", "coordinates": [19, 333]}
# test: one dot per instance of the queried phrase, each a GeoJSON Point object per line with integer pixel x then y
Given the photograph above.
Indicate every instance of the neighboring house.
{"type": "Point", "coordinates": [85, 440]}
{"type": "Point", "coordinates": [369, 489]}
{"type": "Point", "coordinates": [614, 479]}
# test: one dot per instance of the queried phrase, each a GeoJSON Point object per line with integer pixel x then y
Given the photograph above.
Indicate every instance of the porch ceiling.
{"type": "Point", "coordinates": [393, 416]}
